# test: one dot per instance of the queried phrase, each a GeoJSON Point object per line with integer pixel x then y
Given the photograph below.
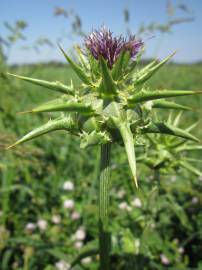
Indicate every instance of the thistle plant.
{"type": "Point", "coordinates": [108, 108]}
{"type": "Point", "coordinates": [169, 154]}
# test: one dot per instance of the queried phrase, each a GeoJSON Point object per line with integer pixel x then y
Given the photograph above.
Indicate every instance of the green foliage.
{"type": "Point", "coordinates": [108, 102]}
{"type": "Point", "coordinates": [33, 174]}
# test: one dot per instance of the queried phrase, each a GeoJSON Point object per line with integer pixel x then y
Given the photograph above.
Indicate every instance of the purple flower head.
{"type": "Point", "coordinates": [102, 43]}
{"type": "Point", "coordinates": [133, 45]}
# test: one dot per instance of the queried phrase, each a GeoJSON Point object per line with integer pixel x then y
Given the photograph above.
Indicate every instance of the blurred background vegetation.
{"type": "Point", "coordinates": [48, 187]}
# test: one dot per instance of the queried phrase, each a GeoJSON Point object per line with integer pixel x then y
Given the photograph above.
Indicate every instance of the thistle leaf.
{"type": "Point", "coordinates": [55, 86]}
{"type": "Point", "coordinates": [147, 67]}
{"type": "Point", "coordinates": [164, 104]}
{"type": "Point", "coordinates": [62, 105]}
{"type": "Point", "coordinates": [149, 72]}
{"type": "Point", "coordinates": [83, 59]}
{"type": "Point", "coordinates": [141, 72]}
{"type": "Point", "coordinates": [193, 160]}
{"type": "Point", "coordinates": [170, 117]}
{"type": "Point", "coordinates": [177, 119]}
{"type": "Point", "coordinates": [192, 126]}
{"type": "Point", "coordinates": [94, 138]}
{"type": "Point", "coordinates": [108, 86]}
{"type": "Point", "coordinates": [163, 128]}
{"type": "Point", "coordinates": [89, 249]}
{"type": "Point", "coordinates": [64, 123]}
{"type": "Point", "coordinates": [193, 147]}
{"type": "Point", "coordinates": [120, 64]}
{"type": "Point", "coordinates": [77, 69]}
{"type": "Point", "coordinates": [190, 168]}
{"type": "Point", "coordinates": [94, 66]}
{"type": "Point", "coordinates": [127, 137]}
{"type": "Point", "coordinates": [158, 94]}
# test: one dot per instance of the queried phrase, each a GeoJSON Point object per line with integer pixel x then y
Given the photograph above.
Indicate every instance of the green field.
{"type": "Point", "coordinates": [164, 226]}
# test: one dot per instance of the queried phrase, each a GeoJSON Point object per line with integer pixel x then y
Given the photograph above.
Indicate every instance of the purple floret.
{"type": "Point", "coordinates": [134, 46]}
{"type": "Point", "coordinates": [102, 43]}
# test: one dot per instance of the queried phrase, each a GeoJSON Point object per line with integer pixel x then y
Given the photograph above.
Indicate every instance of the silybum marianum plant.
{"type": "Point", "coordinates": [111, 106]}
{"type": "Point", "coordinates": [169, 154]}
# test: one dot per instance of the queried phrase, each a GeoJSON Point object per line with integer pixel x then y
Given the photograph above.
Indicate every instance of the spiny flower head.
{"type": "Point", "coordinates": [133, 46]}
{"type": "Point", "coordinates": [102, 43]}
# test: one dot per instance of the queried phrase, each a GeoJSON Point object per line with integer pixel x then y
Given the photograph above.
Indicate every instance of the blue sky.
{"type": "Point", "coordinates": [186, 38]}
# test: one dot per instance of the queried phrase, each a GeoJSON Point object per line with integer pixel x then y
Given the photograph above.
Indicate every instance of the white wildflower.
{"type": "Point", "coordinates": [86, 260]}
{"type": "Point", "coordinates": [15, 265]}
{"type": "Point", "coordinates": [150, 177]}
{"type": "Point", "coordinates": [42, 224]}
{"type": "Point", "coordinates": [194, 200]}
{"type": "Point", "coordinates": [30, 226]}
{"type": "Point", "coordinates": [152, 225]}
{"type": "Point", "coordinates": [68, 186]}
{"type": "Point", "coordinates": [121, 193]}
{"type": "Point", "coordinates": [200, 178]}
{"type": "Point", "coordinates": [56, 219]}
{"type": "Point", "coordinates": [68, 204]}
{"type": "Point", "coordinates": [80, 234]}
{"type": "Point", "coordinates": [181, 250]}
{"type": "Point", "coordinates": [78, 244]}
{"type": "Point", "coordinates": [62, 265]}
{"type": "Point", "coordinates": [123, 206]}
{"type": "Point", "coordinates": [136, 203]}
{"type": "Point", "coordinates": [173, 178]}
{"type": "Point", "coordinates": [75, 215]}
{"type": "Point", "coordinates": [164, 259]}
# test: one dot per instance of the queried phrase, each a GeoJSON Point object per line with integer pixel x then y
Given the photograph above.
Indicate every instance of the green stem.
{"type": "Point", "coordinates": [157, 181]}
{"type": "Point", "coordinates": [157, 177]}
{"type": "Point", "coordinates": [104, 234]}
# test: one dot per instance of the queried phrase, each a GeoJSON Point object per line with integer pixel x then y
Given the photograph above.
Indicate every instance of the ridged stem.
{"type": "Point", "coordinates": [104, 234]}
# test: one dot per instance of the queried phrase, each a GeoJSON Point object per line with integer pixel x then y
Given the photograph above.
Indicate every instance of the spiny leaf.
{"type": "Point", "coordinates": [127, 137]}
{"type": "Point", "coordinates": [170, 117]}
{"type": "Point", "coordinates": [164, 104]}
{"type": "Point", "coordinates": [94, 138]}
{"type": "Point", "coordinates": [82, 58]}
{"type": "Point", "coordinates": [108, 86]}
{"type": "Point", "coordinates": [120, 64]}
{"type": "Point", "coordinates": [151, 70]}
{"type": "Point", "coordinates": [175, 123]}
{"type": "Point", "coordinates": [163, 128]}
{"type": "Point", "coordinates": [89, 249]}
{"type": "Point", "coordinates": [193, 160]}
{"type": "Point", "coordinates": [55, 86]}
{"type": "Point", "coordinates": [190, 168]}
{"type": "Point", "coordinates": [58, 254]}
{"type": "Point", "coordinates": [158, 94]}
{"type": "Point", "coordinates": [179, 211]}
{"type": "Point", "coordinates": [64, 123]}
{"type": "Point", "coordinates": [147, 67]}
{"type": "Point", "coordinates": [177, 119]}
{"type": "Point", "coordinates": [94, 66]}
{"type": "Point", "coordinates": [62, 105]}
{"type": "Point", "coordinates": [192, 126]}
{"type": "Point", "coordinates": [188, 148]}
{"type": "Point", "coordinates": [77, 69]}
{"type": "Point", "coordinates": [141, 72]}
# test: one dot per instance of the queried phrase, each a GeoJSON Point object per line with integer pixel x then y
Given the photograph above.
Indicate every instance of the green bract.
{"type": "Point", "coordinates": [112, 105]}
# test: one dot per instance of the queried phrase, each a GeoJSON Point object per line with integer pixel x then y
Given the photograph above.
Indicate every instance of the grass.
{"type": "Point", "coordinates": [32, 176]}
